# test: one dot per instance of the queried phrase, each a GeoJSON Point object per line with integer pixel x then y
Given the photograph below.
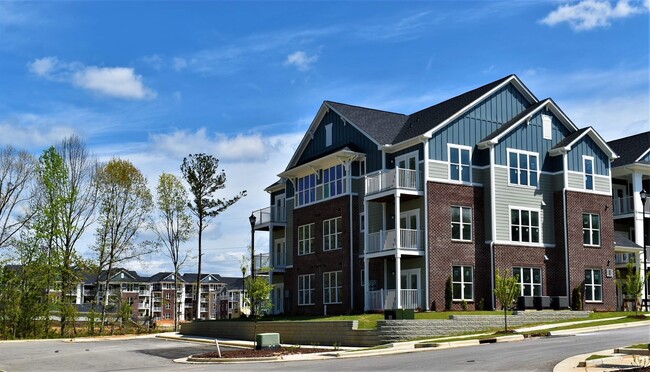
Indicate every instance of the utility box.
{"type": "Point", "coordinates": [396, 314]}
{"type": "Point", "coordinates": [267, 341]}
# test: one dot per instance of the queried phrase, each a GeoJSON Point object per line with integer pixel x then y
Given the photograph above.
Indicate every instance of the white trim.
{"type": "Point", "coordinates": [591, 230]}
{"type": "Point", "coordinates": [463, 283]}
{"type": "Point", "coordinates": [530, 225]}
{"type": "Point", "coordinates": [588, 191]}
{"type": "Point", "coordinates": [449, 182]}
{"type": "Point", "coordinates": [560, 172]}
{"type": "Point", "coordinates": [524, 244]}
{"type": "Point", "coordinates": [547, 126]}
{"type": "Point", "coordinates": [642, 156]}
{"type": "Point", "coordinates": [584, 172]}
{"type": "Point", "coordinates": [460, 163]}
{"type": "Point", "coordinates": [471, 224]}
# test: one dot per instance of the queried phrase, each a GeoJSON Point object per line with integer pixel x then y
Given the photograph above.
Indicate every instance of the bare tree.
{"type": "Point", "coordinates": [174, 226]}
{"type": "Point", "coordinates": [202, 174]}
{"type": "Point", "coordinates": [126, 205]}
{"type": "Point", "coordinates": [16, 171]}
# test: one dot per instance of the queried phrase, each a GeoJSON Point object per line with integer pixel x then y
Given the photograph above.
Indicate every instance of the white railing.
{"type": "Point", "coordinates": [624, 258]}
{"type": "Point", "coordinates": [400, 178]}
{"type": "Point", "coordinates": [144, 293]}
{"type": "Point", "coordinates": [156, 308]}
{"type": "Point", "coordinates": [261, 261]}
{"type": "Point", "coordinates": [625, 205]}
{"type": "Point", "coordinates": [386, 240]}
{"type": "Point", "coordinates": [269, 214]}
{"type": "Point", "coordinates": [385, 299]}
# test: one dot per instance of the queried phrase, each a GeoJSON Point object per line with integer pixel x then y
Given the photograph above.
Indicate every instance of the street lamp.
{"type": "Point", "coordinates": [252, 220]}
{"type": "Point", "coordinates": [644, 196]}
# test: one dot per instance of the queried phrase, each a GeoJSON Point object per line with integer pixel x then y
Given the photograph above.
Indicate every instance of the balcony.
{"type": "Point", "coordinates": [392, 179]}
{"type": "Point", "coordinates": [269, 215]}
{"type": "Point", "coordinates": [144, 293]}
{"type": "Point", "coordinates": [157, 308]}
{"type": "Point", "coordinates": [387, 240]}
{"type": "Point", "coordinates": [624, 258]}
{"type": "Point", "coordinates": [625, 205]}
{"type": "Point", "coordinates": [386, 299]}
{"type": "Point", "coordinates": [262, 263]}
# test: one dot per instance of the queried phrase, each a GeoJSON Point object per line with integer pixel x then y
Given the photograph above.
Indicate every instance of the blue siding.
{"type": "Point", "coordinates": [587, 146]}
{"type": "Point", "coordinates": [478, 123]}
{"type": "Point", "coordinates": [342, 135]}
{"type": "Point", "coordinates": [529, 137]}
{"type": "Point", "coordinates": [390, 158]}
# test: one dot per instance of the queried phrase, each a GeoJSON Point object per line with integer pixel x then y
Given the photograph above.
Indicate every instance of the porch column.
{"type": "Point", "coordinates": [398, 280]}
{"type": "Point", "coordinates": [637, 186]}
{"type": "Point", "coordinates": [397, 223]}
{"type": "Point", "coordinates": [366, 264]}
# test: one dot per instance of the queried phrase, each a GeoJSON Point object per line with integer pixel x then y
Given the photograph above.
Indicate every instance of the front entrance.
{"type": "Point", "coordinates": [410, 289]}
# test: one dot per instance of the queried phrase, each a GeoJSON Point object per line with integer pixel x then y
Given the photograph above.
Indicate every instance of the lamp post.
{"type": "Point", "coordinates": [644, 196]}
{"type": "Point", "coordinates": [252, 220]}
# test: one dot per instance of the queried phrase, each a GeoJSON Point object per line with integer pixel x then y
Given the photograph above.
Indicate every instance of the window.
{"type": "Point", "coordinates": [362, 167]}
{"type": "Point", "coordinates": [332, 234]}
{"type": "Point", "coordinates": [168, 306]}
{"type": "Point", "coordinates": [328, 135]}
{"type": "Point", "coordinates": [523, 168]}
{"type": "Point", "coordinates": [362, 222]}
{"type": "Point", "coordinates": [306, 189]}
{"type": "Point", "coordinates": [168, 295]}
{"type": "Point", "coordinates": [459, 163]}
{"type": "Point", "coordinates": [461, 223]}
{"type": "Point", "coordinates": [547, 127]}
{"type": "Point", "coordinates": [333, 181]}
{"type": "Point", "coordinates": [530, 280]}
{"type": "Point", "coordinates": [524, 226]}
{"type": "Point", "coordinates": [462, 283]}
{"type": "Point", "coordinates": [332, 287]}
{"type": "Point", "coordinates": [591, 229]}
{"type": "Point", "coordinates": [593, 285]}
{"type": "Point", "coordinates": [588, 167]}
{"type": "Point", "coordinates": [306, 239]}
{"type": "Point", "coordinates": [306, 289]}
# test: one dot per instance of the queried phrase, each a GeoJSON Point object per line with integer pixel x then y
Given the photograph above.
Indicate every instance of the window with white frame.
{"type": "Point", "coordinates": [328, 135]}
{"type": "Point", "coordinates": [332, 234]}
{"type": "Point", "coordinates": [524, 225]}
{"type": "Point", "coordinates": [530, 280]}
{"type": "Point", "coordinates": [523, 168]}
{"type": "Point", "coordinates": [593, 285]}
{"type": "Point", "coordinates": [591, 229]}
{"type": "Point", "coordinates": [461, 223]}
{"type": "Point", "coordinates": [588, 167]}
{"type": "Point", "coordinates": [168, 306]}
{"type": "Point", "coordinates": [306, 289]}
{"type": "Point", "coordinates": [462, 283]}
{"type": "Point", "coordinates": [333, 181]}
{"type": "Point", "coordinates": [306, 235]}
{"type": "Point", "coordinates": [168, 295]}
{"type": "Point", "coordinates": [306, 189]}
{"type": "Point", "coordinates": [332, 287]}
{"type": "Point", "coordinates": [459, 163]}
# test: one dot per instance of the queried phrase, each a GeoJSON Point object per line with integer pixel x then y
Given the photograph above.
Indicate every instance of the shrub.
{"type": "Point", "coordinates": [448, 294]}
{"type": "Point", "coordinates": [576, 298]}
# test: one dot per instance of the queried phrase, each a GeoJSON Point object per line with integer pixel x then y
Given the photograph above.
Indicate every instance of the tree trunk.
{"type": "Point", "coordinates": [198, 276]}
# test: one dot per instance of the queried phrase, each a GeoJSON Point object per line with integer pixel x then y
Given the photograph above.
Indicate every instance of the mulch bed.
{"type": "Point", "coordinates": [252, 353]}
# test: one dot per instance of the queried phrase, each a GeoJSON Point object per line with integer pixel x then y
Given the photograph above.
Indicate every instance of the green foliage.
{"type": "Point", "coordinates": [463, 305]}
{"type": "Point", "coordinates": [633, 284]}
{"type": "Point", "coordinates": [448, 294]}
{"type": "Point", "coordinates": [481, 305]}
{"type": "Point", "coordinates": [576, 298]}
{"type": "Point", "coordinates": [506, 290]}
{"type": "Point", "coordinates": [259, 295]}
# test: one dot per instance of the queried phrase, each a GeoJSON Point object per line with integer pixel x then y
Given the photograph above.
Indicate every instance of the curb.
{"type": "Point", "coordinates": [598, 328]}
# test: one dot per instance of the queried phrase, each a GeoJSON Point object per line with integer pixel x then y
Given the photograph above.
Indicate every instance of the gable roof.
{"type": "Point", "coordinates": [513, 123]}
{"type": "Point", "coordinates": [381, 126]}
{"type": "Point", "coordinates": [630, 149]}
{"type": "Point", "coordinates": [622, 241]}
{"type": "Point", "coordinates": [567, 143]}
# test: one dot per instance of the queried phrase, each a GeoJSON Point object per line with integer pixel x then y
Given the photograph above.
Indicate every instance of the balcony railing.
{"type": "Point", "coordinates": [398, 178]}
{"type": "Point", "coordinates": [280, 260]}
{"type": "Point", "coordinates": [625, 205]}
{"type": "Point", "coordinates": [385, 299]}
{"type": "Point", "coordinates": [270, 214]}
{"type": "Point", "coordinates": [387, 240]}
{"type": "Point", "coordinates": [156, 308]}
{"type": "Point", "coordinates": [144, 293]}
{"type": "Point", "coordinates": [262, 260]}
{"type": "Point", "coordinates": [624, 258]}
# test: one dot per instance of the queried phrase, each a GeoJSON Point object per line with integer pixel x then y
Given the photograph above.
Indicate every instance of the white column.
{"type": "Point", "coordinates": [637, 186]}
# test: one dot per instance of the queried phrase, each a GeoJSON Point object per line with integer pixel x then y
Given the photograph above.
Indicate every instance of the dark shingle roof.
{"type": "Point", "coordinates": [422, 121]}
{"type": "Point", "coordinates": [505, 127]}
{"type": "Point", "coordinates": [630, 148]}
{"type": "Point", "coordinates": [571, 137]}
{"type": "Point", "coordinates": [382, 126]}
{"type": "Point", "coordinates": [621, 240]}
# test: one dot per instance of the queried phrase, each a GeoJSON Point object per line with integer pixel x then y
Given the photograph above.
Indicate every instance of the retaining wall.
{"type": "Point", "coordinates": [345, 333]}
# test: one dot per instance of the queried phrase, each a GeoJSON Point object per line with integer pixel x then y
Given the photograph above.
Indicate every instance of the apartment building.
{"type": "Point", "coordinates": [378, 210]}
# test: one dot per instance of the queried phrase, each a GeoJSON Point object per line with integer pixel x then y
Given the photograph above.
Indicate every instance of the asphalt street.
{"type": "Point", "coordinates": [156, 354]}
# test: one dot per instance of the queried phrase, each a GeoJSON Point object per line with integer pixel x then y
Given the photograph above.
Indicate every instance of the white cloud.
{"type": "Point", "coordinates": [590, 14]}
{"type": "Point", "coordinates": [179, 63]}
{"type": "Point", "coordinates": [32, 136]}
{"type": "Point", "coordinates": [119, 82]}
{"type": "Point", "coordinates": [301, 60]}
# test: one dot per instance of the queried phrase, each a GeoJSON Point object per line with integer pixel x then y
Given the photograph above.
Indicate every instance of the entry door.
{"type": "Point", "coordinates": [277, 296]}
{"type": "Point", "coordinates": [622, 204]}
{"type": "Point", "coordinates": [409, 224]}
{"type": "Point", "coordinates": [410, 283]}
{"type": "Point", "coordinates": [280, 254]}
{"type": "Point", "coordinates": [279, 209]}
{"type": "Point", "coordinates": [410, 162]}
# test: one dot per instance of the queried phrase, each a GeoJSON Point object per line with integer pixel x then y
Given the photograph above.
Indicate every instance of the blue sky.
{"type": "Point", "coordinates": [154, 81]}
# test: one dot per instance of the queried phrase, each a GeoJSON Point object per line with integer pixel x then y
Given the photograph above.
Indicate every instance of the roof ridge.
{"type": "Point", "coordinates": [367, 108]}
{"type": "Point", "coordinates": [647, 133]}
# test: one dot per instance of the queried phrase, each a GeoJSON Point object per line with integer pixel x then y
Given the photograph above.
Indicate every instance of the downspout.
{"type": "Point", "coordinates": [493, 225]}
{"type": "Point", "coordinates": [349, 171]}
{"type": "Point", "coordinates": [425, 173]}
{"type": "Point", "coordinates": [565, 164]}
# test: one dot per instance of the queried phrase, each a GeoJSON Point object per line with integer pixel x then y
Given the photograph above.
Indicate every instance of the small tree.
{"type": "Point", "coordinates": [633, 284]}
{"type": "Point", "coordinates": [448, 294]}
{"type": "Point", "coordinates": [506, 290]}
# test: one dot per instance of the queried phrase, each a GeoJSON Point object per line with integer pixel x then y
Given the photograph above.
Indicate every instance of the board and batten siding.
{"type": "Point", "coordinates": [478, 123]}
{"type": "Point", "coordinates": [290, 243]}
{"type": "Point", "coordinates": [514, 196]}
{"type": "Point", "coordinates": [587, 147]}
{"type": "Point", "coordinates": [343, 134]}
{"type": "Point", "coordinates": [529, 137]}
{"type": "Point", "coordinates": [374, 216]}
{"type": "Point", "coordinates": [577, 182]}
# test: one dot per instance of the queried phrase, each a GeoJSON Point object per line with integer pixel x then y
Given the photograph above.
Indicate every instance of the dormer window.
{"type": "Point", "coordinates": [328, 135]}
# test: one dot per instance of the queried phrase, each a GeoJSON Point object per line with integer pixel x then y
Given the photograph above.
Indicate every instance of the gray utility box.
{"type": "Point", "coordinates": [267, 341]}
